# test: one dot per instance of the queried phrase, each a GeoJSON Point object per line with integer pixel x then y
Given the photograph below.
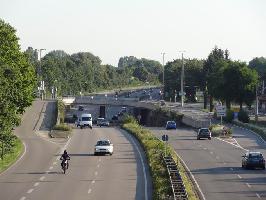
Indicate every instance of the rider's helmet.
{"type": "Point", "coordinates": [65, 152]}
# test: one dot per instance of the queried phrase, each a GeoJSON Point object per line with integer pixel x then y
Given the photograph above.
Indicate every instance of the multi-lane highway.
{"type": "Point", "coordinates": [216, 164]}
{"type": "Point", "coordinates": [37, 175]}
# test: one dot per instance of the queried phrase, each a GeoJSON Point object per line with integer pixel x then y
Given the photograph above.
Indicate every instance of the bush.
{"type": "Point", "coordinates": [229, 116]}
{"type": "Point", "coordinates": [129, 119]}
{"type": "Point", "coordinates": [219, 130]}
{"type": "Point", "coordinates": [62, 127]}
{"type": "Point", "coordinates": [243, 116]}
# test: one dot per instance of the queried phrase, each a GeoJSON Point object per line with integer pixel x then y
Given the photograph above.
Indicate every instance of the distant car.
{"type": "Point", "coordinates": [120, 114]}
{"type": "Point", "coordinates": [124, 109]}
{"type": "Point", "coordinates": [114, 118]}
{"type": "Point", "coordinates": [80, 108]}
{"type": "Point", "coordinates": [99, 119]}
{"type": "Point", "coordinates": [253, 160]}
{"type": "Point", "coordinates": [103, 147]}
{"type": "Point", "coordinates": [170, 125]}
{"type": "Point", "coordinates": [103, 122]}
{"type": "Point", "coordinates": [204, 133]}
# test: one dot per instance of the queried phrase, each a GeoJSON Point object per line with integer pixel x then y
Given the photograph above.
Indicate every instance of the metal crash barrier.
{"type": "Point", "coordinates": [178, 187]}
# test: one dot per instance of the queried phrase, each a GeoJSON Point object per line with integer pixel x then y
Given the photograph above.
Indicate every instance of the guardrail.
{"type": "Point", "coordinates": [178, 187]}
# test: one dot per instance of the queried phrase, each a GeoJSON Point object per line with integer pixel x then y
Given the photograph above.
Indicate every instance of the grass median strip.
{"type": "Point", "coordinates": [154, 149]}
{"type": "Point", "coordinates": [11, 157]}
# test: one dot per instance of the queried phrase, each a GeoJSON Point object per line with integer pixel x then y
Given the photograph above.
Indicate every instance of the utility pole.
{"type": "Point", "coordinates": [182, 82]}
{"type": "Point", "coordinates": [256, 106]}
{"type": "Point", "coordinates": [42, 82]}
{"type": "Point", "coordinates": [163, 71]}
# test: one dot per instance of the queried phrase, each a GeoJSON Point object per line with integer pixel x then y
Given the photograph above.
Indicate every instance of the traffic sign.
{"type": "Point", "coordinates": [165, 137]}
{"type": "Point", "coordinates": [221, 111]}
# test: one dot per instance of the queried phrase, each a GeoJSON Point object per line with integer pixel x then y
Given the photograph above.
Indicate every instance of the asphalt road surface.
{"type": "Point", "coordinates": [38, 175]}
{"type": "Point", "coordinates": [216, 164]}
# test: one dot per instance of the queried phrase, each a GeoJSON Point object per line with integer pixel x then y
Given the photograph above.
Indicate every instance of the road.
{"type": "Point", "coordinates": [37, 175]}
{"type": "Point", "coordinates": [216, 164]}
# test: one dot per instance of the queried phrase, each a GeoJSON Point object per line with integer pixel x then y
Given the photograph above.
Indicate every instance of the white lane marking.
{"type": "Point", "coordinates": [96, 173]}
{"type": "Point", "coordinates": [42, 178]}
{"type": "Point", "coordinates": [51, 167]}
{"type": "Point", "coordinates": [258, 195]}
{"type": "Point", "coordinates": [205, 148]}
{"type": "Point", "coordinates": [231, 169]}
{"type": "Point", "coordinates": [143, 168]}
{"type": "Point", "coordinates": [211, 152]}
{"type": "Point", "coordinates": [100, 160]}
{"type": "Point", "coordinates": [98, 165]}
{"type": "Point", "coordinates": [93, 182]}
{"type": "Point", "coordinates": [238, 146]}
{"type": "Point", "coordinates": [25, 150]}
{"type": "Point", "coordinates": [36, 184]}
{"type": "Point", "coordinates": [192, 176]}
{"type": "Point", "coordinates": [22, 198]}
{"type": "Point", "coordinates": [248, 185]}
{"type": "Point", "coordinates": [30, 191]}
{"type": "Point", "coordinates": [54, 163]}
{"type": "Point", "coordinates": [89, 191]}
{"type": "Point", "coordinates": [239, 176]}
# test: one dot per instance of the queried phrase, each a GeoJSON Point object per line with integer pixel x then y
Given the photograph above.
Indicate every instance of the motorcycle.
{"type": "Point", "coordinates": [65, 165]}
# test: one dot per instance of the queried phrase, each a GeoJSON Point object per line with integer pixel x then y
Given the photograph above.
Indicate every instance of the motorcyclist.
{"type": "Point", "coordinates": [65, 157]}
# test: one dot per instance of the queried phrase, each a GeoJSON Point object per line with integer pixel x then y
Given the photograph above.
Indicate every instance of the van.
{"type": "Point", "coordinates": [85, 120]}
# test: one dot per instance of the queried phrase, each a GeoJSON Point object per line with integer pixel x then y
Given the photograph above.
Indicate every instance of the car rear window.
{"type": "Point", "coordinates": [255, 155]}
{"type": "Point", "coordinates": [103, 143]}
{"type": "Point", "coordinates": [204, 131]}
{"type": "Point", "coordinates": [86, 118]}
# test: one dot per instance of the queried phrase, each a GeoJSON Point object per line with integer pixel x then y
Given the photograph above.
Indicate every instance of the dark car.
{"type": "Point", "coordinates": [204, 133]}
{"type": "Point", "coordinates": [81, 108]}
{"type": "Point", "coordinates": [170, 125]}
{"type": "Point", "coordinates": [114, 118]}
{"type": "Point", "coordinates": [253, 160]}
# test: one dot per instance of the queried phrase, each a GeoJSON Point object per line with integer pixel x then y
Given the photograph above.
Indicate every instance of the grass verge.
{"type": "Point", "coordinates": [11, 157]}
{"type": "Point", "coordinates": [154, 149]}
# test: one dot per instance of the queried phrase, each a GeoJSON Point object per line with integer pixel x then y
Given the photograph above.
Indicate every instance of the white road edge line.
{"type": "Point", "coordinates": [192, 176]}
{"type": "Point", "coordinates": [22, 198]}
{"type": "Point", "coordinates": [143, 168]}
{"type": "Point", "coordinates": [248, 185]}
{"type": "Point", "coordinates": [13, 165]}
{"type": "Point", "coordinates": [238, 146]}
{"type": "Point", "coordinates": [30, 191]}
{"type": "Point", "coordinates": [258, 195]}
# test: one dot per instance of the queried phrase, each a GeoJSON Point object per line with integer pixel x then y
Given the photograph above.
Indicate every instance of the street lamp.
{"type": "Point", "coordinates": [163, 70]}
{"type": "Point", "coordinates": [182, 80]}
{"type": "Point", "coordinates": [42, 82]}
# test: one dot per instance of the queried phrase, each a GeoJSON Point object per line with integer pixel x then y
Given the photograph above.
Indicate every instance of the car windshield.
{"type": "Point", "coordinates": [86, 118]}
{"type": "Point", "coordinates": [171, 123]}
{"type": "Point", "coordinates": [103, 143]}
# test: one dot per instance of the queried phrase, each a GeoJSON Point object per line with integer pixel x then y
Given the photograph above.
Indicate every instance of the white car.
{"type": "Point", "coordinates": [104, 147]}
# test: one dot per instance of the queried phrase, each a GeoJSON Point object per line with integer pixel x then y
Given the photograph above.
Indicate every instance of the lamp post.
{"type": "Point", "coordinates": [42, 82]}
{"type": "Point", "coordinates": [182, 81]}
{"type": "Point", "coordinates": [163, 71]}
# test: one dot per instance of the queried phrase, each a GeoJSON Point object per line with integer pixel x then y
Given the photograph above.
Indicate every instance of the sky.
{"type": "Point", "coordinates": [111, 29]}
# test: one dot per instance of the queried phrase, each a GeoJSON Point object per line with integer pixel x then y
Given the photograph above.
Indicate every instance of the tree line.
{"type": "Point", "coordinates": [218, 77]}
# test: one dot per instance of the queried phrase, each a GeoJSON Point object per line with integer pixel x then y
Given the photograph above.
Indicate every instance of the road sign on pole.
{"type": "Point", "coordinates": [221, 111]}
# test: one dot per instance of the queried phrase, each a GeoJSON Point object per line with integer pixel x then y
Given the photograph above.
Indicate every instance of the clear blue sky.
{"type": "Point", "coordinates": [142, 28]}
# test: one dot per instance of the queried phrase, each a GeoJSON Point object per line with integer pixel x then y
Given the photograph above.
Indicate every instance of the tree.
{"type": "Point", "coordinates": [17, 82]}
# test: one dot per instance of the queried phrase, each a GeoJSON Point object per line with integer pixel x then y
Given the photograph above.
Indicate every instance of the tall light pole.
{"type": "Point", "coordinates": [163, 70]}
{"type": "Point", "coordinates": [42, 82]}
{"type": "Point", "coordinates": [182, 81]}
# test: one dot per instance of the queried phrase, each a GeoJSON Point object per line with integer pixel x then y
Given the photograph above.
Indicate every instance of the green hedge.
{"type": "Point", "coordinates": [62, 127]}
{"type": "Point", "coordinates": [219, 130]}
{"type": "Point", "coordinates": [258, 130]}
{"type": "Point", "coordinates": [154, 149]}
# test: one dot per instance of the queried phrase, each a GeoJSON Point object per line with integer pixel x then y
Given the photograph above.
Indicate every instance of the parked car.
{"type": "Point", "coordinates": [204, 133]}
{"type": "Point", "coordinates": [253, 160]}
{"type": "Point", "coordinates": [170, 125]}
{"type": "Point", "coordinates": [80, 108]}
{"type": "Point", "coordinates": [102, 122]}
{"type": "Point", "coordinates": [103, 147]}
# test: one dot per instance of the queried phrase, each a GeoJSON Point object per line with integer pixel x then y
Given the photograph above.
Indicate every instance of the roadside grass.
{"type": "Point", "coordinates": [154, 149]}
{"type": "Point", "coordinates": [11, 157]}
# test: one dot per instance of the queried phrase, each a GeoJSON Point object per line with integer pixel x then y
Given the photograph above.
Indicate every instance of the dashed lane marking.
{"type": "Point", "coordinates": [42, 178]}
{"type": "Point", "coordinates": [248, 185]}
{"type": "Point", "coordinates": [211, 152]}
{"type": "Point", "coordinates": [205, 148]}
{"type": "Point", "coordinates": [30, 191]}
{"type": "Point", "coordinates": [36, 184]}
{"type": "Point", "coordinates": [54, 163]}
{"type": "Point", "coordinates": [239, 176]}
{"type": "Point", "coordinates": [93, 182]}
{"type": "Point", "coordinates": [96, 173]}
{"type": "Point", "coordinates": [22, 198]}
{"type": "Point", "coordinates": [51, 167]}
{"type": "Point", "coordinates": [89, 191]}
{"type": "Point", "coordinates": [258, 195]}
{"type": "Point", "coordinates": [98, 165]}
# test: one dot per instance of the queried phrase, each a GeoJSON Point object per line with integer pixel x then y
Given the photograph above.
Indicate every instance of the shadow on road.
{"type": "Point", "coordinates": [77, 154]}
